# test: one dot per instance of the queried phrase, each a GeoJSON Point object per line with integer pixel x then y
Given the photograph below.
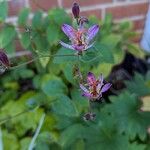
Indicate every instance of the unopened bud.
{"type": "Point", "coordinates": [89, 116]}
{"type": "Point", "coordinates": [83, 20]}
{"type": "Point", "coordinates": [76, 10]}
{"type": "Point", "coordinates": [4, 62]}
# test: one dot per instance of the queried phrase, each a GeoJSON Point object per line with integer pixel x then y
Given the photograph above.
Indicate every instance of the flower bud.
{"type": "Point", "coordinates": [4, 62]}
{"type": "Point", "coordinates": [76, 10]}
{"type": "Point", "coordinates": [83, 20]}
{"type": "Point", "coordinates": [89, 116]}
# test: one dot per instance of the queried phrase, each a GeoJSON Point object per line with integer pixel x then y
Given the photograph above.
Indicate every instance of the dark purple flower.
{"type": "Point", "coordinates": [75, 10]}
{"type": "Point", "coordinates": [94, 87]}
{"type": "Point", "coordinates": [80, 38]}
{"type": "Point", "coordinates": [4, 62]}
{"type": "Point", "coordinates": [82, 21]}
{"type": "Point", "coordinates": [4, 58]}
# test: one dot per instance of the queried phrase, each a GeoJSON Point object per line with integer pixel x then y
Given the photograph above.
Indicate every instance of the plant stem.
{"type": "Point", "coordinates": [11, 117]}
{"type": "Point", "coordinates": [90, 107]}
{"type": "Point", "coordinates": [37, 58]}
{"type": "Point", "coordinates": [32, 144]}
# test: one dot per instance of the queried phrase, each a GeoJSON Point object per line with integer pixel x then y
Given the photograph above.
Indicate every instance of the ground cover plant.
{"type": "Point", "coordinates": [83, 85]}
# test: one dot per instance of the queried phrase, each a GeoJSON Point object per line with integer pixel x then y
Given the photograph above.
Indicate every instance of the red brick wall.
{"type": "Point", "coordinates": [134, 10]}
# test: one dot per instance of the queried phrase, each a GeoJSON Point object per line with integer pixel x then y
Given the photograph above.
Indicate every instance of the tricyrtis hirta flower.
{"type": "Point", "coordinates": [80, 38]}
{"type": "Point", "coordinates": [4, 62]}
{"type": "Point", "coordinates": [94, 87]}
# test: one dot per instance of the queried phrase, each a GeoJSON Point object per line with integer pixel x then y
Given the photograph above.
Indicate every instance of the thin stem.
{"type": "Point", "coordinates": [32, 144]}
{"type": "Point", "coordinates": [23, 64]}
{"type": "Point", "coordinates": [2, 121]}
{"type": "Point", "coordinates": [36, 58]}
{"type": "Point", "coordinates": [90, 107]}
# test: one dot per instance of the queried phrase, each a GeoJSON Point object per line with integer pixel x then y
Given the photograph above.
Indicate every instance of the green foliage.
{"type": "Point", "coordinates": [3, 10]}
{"type": "Point", "coordinates": [139, 86]}
{"type": "Point", "coordinates": [53, 86]}
{"type": "Point", "coordinates": [23, 17]}
{"type": "Point", "coordinates": [7, 36]}
{"type": "Point", "coordinates": [48, 85]}
{"type": "Point", "coordinates": [126, 111]}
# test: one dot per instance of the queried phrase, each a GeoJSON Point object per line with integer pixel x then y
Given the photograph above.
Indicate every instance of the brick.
{"type": "Point", "coordinates": [68, 3]}
{"type": "Point", "coordinates": [138, 24]}
{"type": "Point", "coordinates": [97, 13]}
{"type": "Point", "coordinates": [119, 12]}
{"type": "Point", "coordinates": [42, 4]}
{"type": "Point", "coordinates": [14, 6]}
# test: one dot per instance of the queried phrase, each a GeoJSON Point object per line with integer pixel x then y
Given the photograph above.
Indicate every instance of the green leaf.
{"type": "Point", "coordinates": [37, 20]}
{"type": "Point", "coordinates": [25, 40]}
{"type": "Point", "coordinates": [53, 86]}
{"type": "Point", "coordinates": [104, 135]}
{"type": "Point", "coordinates": [135, 50]}
{"type": "Point", "coordinates": [125, 25]}
{"type": "Point", "coordinates": [44, 61]}
{"type": "Point", "coordinates": [59, 16]}
{"type": "Point", "coordinates": [138, 85]}
{"type": "Point", "coordinates": [26, 120]}
{"type": "Point", "coordinates": [90, 56]}
{"type": "Point", "coordinates": [126, 110]}
{"type": "Point", "coordinates": [64, 106]}
{"type": "Point", "coordinates": [23, 73]}
{"type": "Point", "coordinates": [111, 40]}
{"type": "Point", "coordinates": [52, 34]}
{"type": "Point", "coordinates": [68, 72]}
{"type": "Point", "coordinates": [10, 48]}
{"type": "Point", "coordinates": [10, 141]}
{"type": "Point", "coordinates": [7, 35]}
{"type": "Point", "coordinates": [81, 102]}
{"type": "Point", "coordinates": [64, 56]}
{"type": "Point", "coordinates": [24, 143]}
{"type": "Point", "coordinates": [104, 68]}
{"type": "Point", "coordinates": [70, 135]}
{"type": "Point", "coordinates": [23, 17]}
{"type": "Point", "coordinates": [136, 146]}
{"type": "Point", "coordinates": [3, 10]}
{"type": "Point", "coordinates": [105, 53]}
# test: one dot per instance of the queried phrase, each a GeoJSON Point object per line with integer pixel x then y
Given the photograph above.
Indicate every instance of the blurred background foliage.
{"type": "Point", "coordinates": [48, 86]}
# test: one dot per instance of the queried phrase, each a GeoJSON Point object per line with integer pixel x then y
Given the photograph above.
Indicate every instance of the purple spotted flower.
{"type": "Point", "coordinates": [94, 87]}
{"type": "Point", "coordinates": [80, 38]}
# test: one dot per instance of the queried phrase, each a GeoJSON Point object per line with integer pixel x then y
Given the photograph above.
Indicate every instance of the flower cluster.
{"type": "Point", "coordinates": [81, 37]}
{"type": "Point", "coordinates": [81, 40]}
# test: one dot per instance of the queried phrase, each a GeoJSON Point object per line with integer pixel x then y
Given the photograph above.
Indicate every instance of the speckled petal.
{"type": "Point", "coordinates": [91, 78]}
{"type": "Point", "coordinates": [84, 88]}
{"type": "Point", "coordinates": [66, 45]}
{"type": "Point", "coordinates": [88, 95]}
{"type": "Point", "coordinates": [68, 30]}
{"type": "Point", "coordinates": [106, 87]}
{"type": "Point", "coordinates": [92, 31]}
